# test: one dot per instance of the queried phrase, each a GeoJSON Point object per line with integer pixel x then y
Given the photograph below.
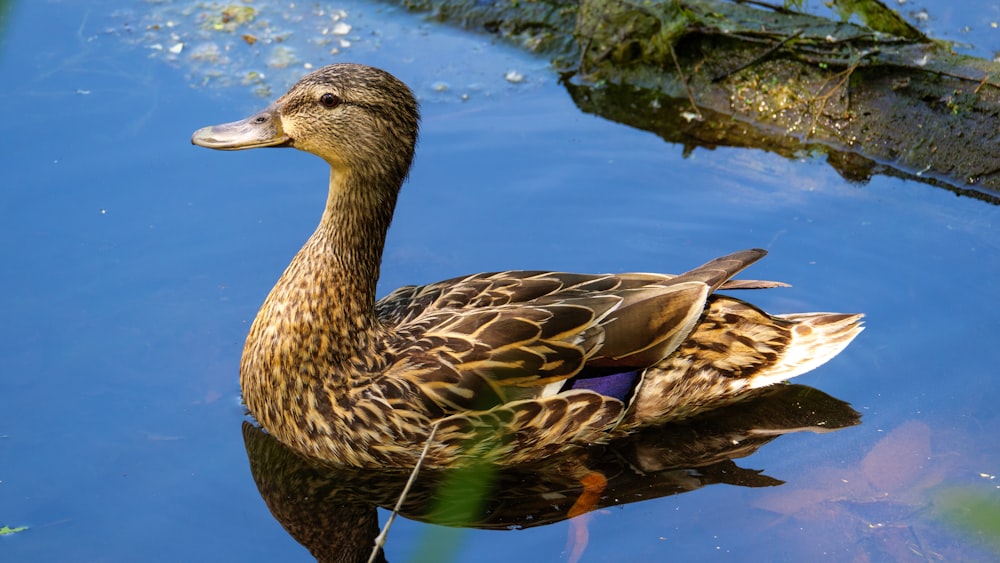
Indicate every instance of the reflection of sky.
{"type": "Point", "coordinates": [134, 262]}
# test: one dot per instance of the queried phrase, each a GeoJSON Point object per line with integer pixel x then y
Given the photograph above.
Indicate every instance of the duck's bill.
{"type": "Point", "coordinates": [260, 130]}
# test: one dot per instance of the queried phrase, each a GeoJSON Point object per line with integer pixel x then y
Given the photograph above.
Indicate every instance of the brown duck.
{"type": "Point", "coordinates": [508, 367]}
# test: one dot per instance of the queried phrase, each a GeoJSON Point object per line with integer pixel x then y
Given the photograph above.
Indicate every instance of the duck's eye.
{"type": "Point", "coordinates": [329, 100]}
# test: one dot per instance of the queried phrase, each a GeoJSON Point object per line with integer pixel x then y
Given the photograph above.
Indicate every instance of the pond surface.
{"type": "Point", "coordinates": [133, 264]}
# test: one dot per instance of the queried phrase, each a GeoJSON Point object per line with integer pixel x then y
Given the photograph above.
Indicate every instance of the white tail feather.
{"type": "Point", "coordinates": [816, 338]}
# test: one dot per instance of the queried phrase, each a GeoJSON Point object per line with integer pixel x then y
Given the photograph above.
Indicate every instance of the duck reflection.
{"type": "Point", "coordinates": [332, 512]}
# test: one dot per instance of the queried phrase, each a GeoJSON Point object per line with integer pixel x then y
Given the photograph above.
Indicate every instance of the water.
{"type": "Point", "coordinates": [133, 264]}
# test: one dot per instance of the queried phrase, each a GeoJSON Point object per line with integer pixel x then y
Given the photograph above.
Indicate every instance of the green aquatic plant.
{"type": "Point", "coordinates": [972, 513]}
{"type": "Point", "coordinates": [879, 17]}
{"type": "Point", "coordinates": [7, 530]}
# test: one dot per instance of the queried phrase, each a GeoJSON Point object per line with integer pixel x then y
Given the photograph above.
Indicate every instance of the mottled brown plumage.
{"type": "Point", "coordinates": [495, 360]}
{"type": "Point", "coordinates": [332, 511]}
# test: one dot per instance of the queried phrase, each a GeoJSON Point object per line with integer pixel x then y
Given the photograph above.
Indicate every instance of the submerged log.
{"type": "Point", "coordinates": [714, 73]}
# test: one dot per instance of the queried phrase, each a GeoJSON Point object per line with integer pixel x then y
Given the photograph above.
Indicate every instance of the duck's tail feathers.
{"type": "Point", "coordinates": [815, 339]}
{"type": "Point", "coordinates": [719, 271]}
{"type": "Point", "coordinates": [734, 349]}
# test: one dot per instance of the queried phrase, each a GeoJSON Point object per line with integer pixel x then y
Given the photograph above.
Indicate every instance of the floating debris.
{"type": "Point", "coordinates": [230, 17]}
{"type": "Point", "coordinates": [253, 77]}
{"type": "Point", "coordinates": [208, 52]}
{"type": "Point", "coordinates": [282, 57]}
{"type": "Point", "coordinates": [222, 39]}
{"type": "Point", "coordinates": [690, 116]}
{"type": "Point", "coordinates": [514, 77]}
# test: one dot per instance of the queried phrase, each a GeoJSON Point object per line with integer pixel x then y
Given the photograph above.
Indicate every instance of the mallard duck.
{"type": "Point", "coordinates": [508, 367]}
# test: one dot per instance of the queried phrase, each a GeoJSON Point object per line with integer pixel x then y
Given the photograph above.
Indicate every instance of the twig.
{"type": "Point", "coordinates": [758, 58]}
{"type": "Point", "coordinates": [823, 98]}
{"type": "Point", "coordinates": [384, 534]}
{"type": "Point", "coordinates": [982, 83]}
{"type": "Point", "coordinates": [687, 87]}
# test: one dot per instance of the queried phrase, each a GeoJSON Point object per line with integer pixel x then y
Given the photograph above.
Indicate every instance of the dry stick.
{"type": "Point", "coordinates": [687, 87]}
{"type": "Point", "coordinates": [824, 98]}
{"type": "Point", "coordinates": [384, 534]}
{"type": "Point", "coordinates": [982, 83]}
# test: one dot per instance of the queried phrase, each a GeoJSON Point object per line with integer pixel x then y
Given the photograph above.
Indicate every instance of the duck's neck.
{"type": "Point", "coordinates": [323, 306]}
{"type": "Point", "coordinates": [344, 254]}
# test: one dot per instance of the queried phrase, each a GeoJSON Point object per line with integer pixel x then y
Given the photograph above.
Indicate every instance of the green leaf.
{"type": "Point", "coordinates": [6, 530]}
{"type": "Point", "coordinates": [879, 17]}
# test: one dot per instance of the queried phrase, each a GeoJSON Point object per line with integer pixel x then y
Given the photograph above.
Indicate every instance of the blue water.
{"type": "Point", "coordinates": [133, 263]}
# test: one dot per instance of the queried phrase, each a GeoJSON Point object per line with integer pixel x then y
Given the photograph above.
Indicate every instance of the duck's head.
{"type": "Point", "coordinates": [358, 118]}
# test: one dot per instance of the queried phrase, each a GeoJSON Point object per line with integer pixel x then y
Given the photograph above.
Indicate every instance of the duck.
{"type": "Point", "coordinates": [506, 367]}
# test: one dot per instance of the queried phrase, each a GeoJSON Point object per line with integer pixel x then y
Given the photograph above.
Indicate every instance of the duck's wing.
{"type": "Point", "coordinates": [474, 343]}
{"type": "Point", "coordinates": [524, 286]}
{"type": "Point", "coordinates": [476, 359]}
{"type": "Point", "coordinates": [479, 291]}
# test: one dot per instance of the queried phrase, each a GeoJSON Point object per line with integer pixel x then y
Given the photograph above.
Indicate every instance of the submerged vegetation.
{"type": "Point", "coordinates": [973, 512]}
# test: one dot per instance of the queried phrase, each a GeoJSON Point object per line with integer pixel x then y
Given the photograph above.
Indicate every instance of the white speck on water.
{"type": "Point", "coordinates": [514, 77]}
{"type": "Point", "coordinates": [177, 48]}
{"type": "Point", "coordinates": [341, 28]}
